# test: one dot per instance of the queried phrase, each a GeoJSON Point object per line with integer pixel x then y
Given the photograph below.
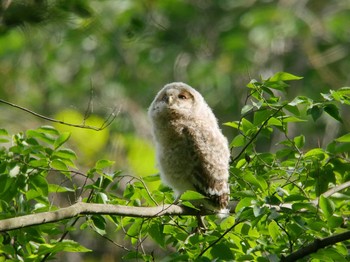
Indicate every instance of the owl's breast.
{"type": "Point", "coordinates": [176, 157]}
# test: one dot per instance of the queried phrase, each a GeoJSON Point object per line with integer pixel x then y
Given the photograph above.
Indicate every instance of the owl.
{"type": "Point", "coordinates": [192, 153]}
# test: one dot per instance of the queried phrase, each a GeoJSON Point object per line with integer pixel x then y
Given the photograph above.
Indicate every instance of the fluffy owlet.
{"type": "Point", "coordinates": [192, 153]}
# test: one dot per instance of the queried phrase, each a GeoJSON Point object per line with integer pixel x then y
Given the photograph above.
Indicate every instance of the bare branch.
{"type": "Point", "coordinates": [316, 245]}
{"type": "Point", "coordinates": [105, 124]}
{"type": "Point", "coordinates": [81, 208]}
{"type": "Point", "coordinates": [332, 191]}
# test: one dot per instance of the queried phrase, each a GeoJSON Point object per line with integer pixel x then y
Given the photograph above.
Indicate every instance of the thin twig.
{"type": "Point", "coordinates": [105, 124]}
{"type": "Point", "coordinates": [221, 237]}
{"type": "Point", "coordinates": [256, 134]}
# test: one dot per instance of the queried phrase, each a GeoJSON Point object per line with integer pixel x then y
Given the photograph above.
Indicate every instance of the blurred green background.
{"type": "Point", "coordinates": [54, 52]}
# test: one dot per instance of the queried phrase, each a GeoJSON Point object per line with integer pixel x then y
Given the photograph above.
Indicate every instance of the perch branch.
{"type": "Point", "coordinates": [81, 208]}
{"type": "Point", "coordinates": [316, 245]}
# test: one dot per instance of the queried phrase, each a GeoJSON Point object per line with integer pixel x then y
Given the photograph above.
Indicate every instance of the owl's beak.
{"type": "Point", "coordinates": [168, 99]}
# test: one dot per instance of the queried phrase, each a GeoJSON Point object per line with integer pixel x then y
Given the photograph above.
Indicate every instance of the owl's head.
{"type": "Point", "coordinates": [176, 100]}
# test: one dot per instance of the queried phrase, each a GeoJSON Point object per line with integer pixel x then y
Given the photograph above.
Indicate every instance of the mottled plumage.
{"type": "Point", "coordinates": [192, 153]}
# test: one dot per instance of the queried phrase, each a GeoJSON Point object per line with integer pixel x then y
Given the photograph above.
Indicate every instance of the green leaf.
{"type": "Point", "coordinates": [238, 141]}
{"type": "Point", "coordinates": [333, 111]}
{"type": "Point", "coordinates": [38, 163]}
{"type": "Point", "coordinates": [245, 202]}
{"type": "Point", "coordinates": [63, 137]}
{"type": "Point", "coordinates": [59, 189]}
{"type": "Point", "coordinates": [299, 100]}
{"type": "Point", "coordinates": [32, 194]}
{"type": "Point", "coordinates": [156, 232]}
{"type": "Point", "coordinates": [189, 204]}
{"type": "Point", "coordinates": [295, 197]}
{"type": "Point", "coordinates": [99, 223]}
{"type": "Point", "coordinates": [152, 178]}
{"type": "Point", "coordinates": [327, 206]}
{"type": "Point", "coordinates": [191, 195]}
{"type": "Point", "coordinates": [103, 163]}
{"type": "Point", "coordinates": [246, 109]}
{"type": "Point", "coordinates": [256, 181]}
{"type": "Point", "coordinates": [247, 125]}
{"type": "Point", "coordinates": [292, 119]}
{"type": "Point", "coordinates": [261, 116]}
{"type": "Point", "coordinates": [221, 252]}
{"type": "Point", "coordinates": [65, 154]}
{"type": "Point", "coordinates": [234, 124]}
{"type": "Point", "coordinates": [135, 228]}
{"type": "Point", "coordinates": [274, 230]}
{"type": "Point", "coordinates": [283, 76]}
{"type": "Point", "coordinates": [40, 184]}
{"type": "Point", "coordinates": [227, 223]}
{"type": "Point", "coordinates": [299, 141]}
{"type": "Point", "coordinates": [315, 112]}
{"type": "Point", "coordinates": [65, 245]}
{"type": "Point", "coordinates": [344, 138]}
{"type": "Point", "coordinates": [316, 152]}
{"type": "Point", "coordinates": [59, 165]}
{"type": "Point", "coordinates": [3, 132]}
{"type": "Point", "coordinates": [47, 138]}
{"type": "Point", "coordinates": [273, 121]}
{"type": "Point", "coordinates": [335, 221]}
{"type": "Point", "coordinates": [48, 130]}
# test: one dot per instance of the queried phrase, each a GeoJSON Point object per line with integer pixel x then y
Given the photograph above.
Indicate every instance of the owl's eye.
{"type": "Point", "coordinates": [182, 96]}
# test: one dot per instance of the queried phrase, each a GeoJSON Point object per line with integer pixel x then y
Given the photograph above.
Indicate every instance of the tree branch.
{"type": "Point", "coordinates": [316, 245]}
{"type": "Point", "coordinates": [332, 191]}
{"type": "Point", "coordinates": [81, 208]}
{"type": "Point", "coordinates": [105, 124]}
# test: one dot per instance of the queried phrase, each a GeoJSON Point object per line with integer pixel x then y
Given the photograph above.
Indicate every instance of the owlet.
{"type": "Point", "coordinates": [192, 153]}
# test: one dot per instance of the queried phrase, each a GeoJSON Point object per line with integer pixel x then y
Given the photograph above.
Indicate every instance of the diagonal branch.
{"type": "Point", "coordinates": [105, 124]}
{"type": "Point", "coordinates": [332, 191]}
{"type": "Point", "coordinates": [316, 245]}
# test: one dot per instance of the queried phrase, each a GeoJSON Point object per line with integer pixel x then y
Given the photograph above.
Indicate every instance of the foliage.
{"type": "Point", "coordinates": [284, 202]}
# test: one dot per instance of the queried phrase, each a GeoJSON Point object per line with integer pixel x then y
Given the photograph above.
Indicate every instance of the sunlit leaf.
{"type": "Point", "coordinates": [103, 163]}
{"type": "Point", "coordinates": [344, 139]}
{"type": "Point", "coordinates": [327, 206]}
{"type": "Point", "coordinates": [65, 154]}
{"type": "Point", "coordinates": [238, 141]}
{"type": "Point", "coordinates": [274, 230]}
{"type": "Point", "coordinates": [283, 76]}
{"type": "Point", "coordinates": [58, 165]}
{"type": "Point", "coordinates": [152, 178]}
{"type": "Point", "coordinates": [299, 141]}
{"type": "Point", "coordinates": [3, 132]}
{"type": "Point", "coordinates": [191, 195]}
{"type": "Point", "coordinates": [62, 138]}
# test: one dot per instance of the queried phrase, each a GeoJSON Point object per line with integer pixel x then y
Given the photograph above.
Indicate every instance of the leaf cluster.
{"type": "Point", "coordinates": [288, 195]}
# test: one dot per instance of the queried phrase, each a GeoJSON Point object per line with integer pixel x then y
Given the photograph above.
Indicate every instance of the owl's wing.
{"type": "Point", "coordinates": [210, 167]}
